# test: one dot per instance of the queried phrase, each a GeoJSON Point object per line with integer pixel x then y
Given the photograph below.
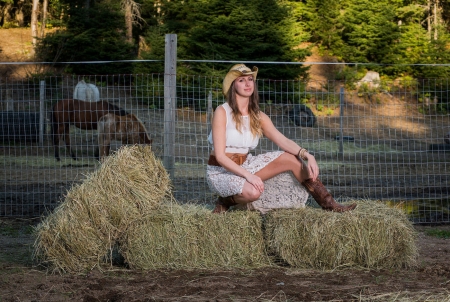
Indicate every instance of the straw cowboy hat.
{"type": "Point", "coordinates": [235, 72]}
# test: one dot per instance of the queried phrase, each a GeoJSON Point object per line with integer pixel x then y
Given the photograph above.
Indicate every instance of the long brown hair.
{"type": "Point", "coordinates": [253, 111]}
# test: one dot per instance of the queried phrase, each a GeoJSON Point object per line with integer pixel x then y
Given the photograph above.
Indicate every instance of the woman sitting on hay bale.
{"type": "Point", "coordinates": [261, 182]}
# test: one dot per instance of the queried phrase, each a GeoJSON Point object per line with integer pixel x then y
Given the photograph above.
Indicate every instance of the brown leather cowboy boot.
{"type": "Point", "coordinates": [324, 198]}
{"type": "Point", "coordinates": [223, 204]}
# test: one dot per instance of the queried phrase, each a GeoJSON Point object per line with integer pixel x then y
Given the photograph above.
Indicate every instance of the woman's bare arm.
{"type": "Point", "coordinates": [219, 139]}
{"type": "Point", "coordinates": [286, 144]}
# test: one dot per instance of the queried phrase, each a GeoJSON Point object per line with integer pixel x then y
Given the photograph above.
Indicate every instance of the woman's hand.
{"type": "Point", "coordinates": [312, 167]}
{"type": "Point", "coordinates": [256, 181]}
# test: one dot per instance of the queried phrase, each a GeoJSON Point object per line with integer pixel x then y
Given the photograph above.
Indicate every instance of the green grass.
{"type": "Point", "coordinates": [44, 162]}
{"type": "Point", "coordinates": [445, 234]}
{"type": "Point", "coordinates": [11, 231]}
{"type": "Point", "coordinates": [21, 254]}
{"type": "Point", "coordinates": [16, 239]}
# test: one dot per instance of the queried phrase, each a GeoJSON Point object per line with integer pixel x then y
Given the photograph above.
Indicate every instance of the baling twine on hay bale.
{"type": "Point", "coordinates": [83, 230]}
{"type": "Point", "coordinates": [190, 236]}
{"type": "Point", "coordinates": [372, 236]}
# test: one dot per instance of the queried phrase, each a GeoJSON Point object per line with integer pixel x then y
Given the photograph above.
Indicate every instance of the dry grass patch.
{"type": "Point", "coordinates": [82, 231]}
{"type": "Point", "coordinates": [191, 236]}
{"type": "Point", "coordinates": [373, 236]}
{"type": "Point", "coordinates": [405, 297]}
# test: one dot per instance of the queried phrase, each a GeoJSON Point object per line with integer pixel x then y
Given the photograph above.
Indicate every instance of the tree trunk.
{"type": "Point", "coordinates": [20, 15]}
{"type": "Point", "coordinates": [3, 10]}
{"type": "Point", "coordinates": [436, 19]}
{"type": "Point", "coordinates": [34, 21]}
{"type": "Point", "coordinates": [132, 13]}
{"type": "Point", "coordinates": [128, 21]}
{"type": "Point", "coordinates": [429, 19]}
{"type": "Point", "coordinates": [44, 17]}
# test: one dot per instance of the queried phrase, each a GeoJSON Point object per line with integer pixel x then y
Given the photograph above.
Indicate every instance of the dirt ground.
{"type": "Point", "coordinates": [21, 280]}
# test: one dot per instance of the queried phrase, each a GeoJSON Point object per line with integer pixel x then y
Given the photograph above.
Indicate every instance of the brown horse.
{"type": "Point", "coordinates": [128, 129]}
{"type": "Point", "coordinates": [81, 114]}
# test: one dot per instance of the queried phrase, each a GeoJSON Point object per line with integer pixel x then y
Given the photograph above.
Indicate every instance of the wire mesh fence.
{"type": "Point", "coordinates": [383, 143]}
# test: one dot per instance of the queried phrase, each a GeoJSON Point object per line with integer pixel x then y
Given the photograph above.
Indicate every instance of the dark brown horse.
{"type": "Point", "coordinates": [83, 115]}
{"type": "Point", "coordinates": [128, 129]}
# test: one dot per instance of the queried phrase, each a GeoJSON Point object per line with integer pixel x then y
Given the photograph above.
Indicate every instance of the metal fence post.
{"type": "Point", "coordinates": [41, 112]}
{"type": "Point", "coordinates": [9, 100]}
{"type": "Point", "coordinates": [209, 113]}
{"type": "Point", "coordinates": [341, 123]}
{"type": "Point", "coordinates": [170, 101]}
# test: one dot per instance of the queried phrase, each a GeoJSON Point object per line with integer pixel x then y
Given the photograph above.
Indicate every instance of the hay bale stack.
{"type": "Point", "coordinates": [372, 236]}
{"type": "Point", "coordinates": [190, 236]}
{"type": "Point", "coordinates": [83, 230]}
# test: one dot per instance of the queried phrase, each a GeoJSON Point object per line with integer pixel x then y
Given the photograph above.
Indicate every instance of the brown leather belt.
{"type": "Point", "coordinates": [236, 157]}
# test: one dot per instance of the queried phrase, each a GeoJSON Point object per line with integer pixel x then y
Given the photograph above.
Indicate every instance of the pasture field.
{"type": "Point", "coordinates": [23, 280]}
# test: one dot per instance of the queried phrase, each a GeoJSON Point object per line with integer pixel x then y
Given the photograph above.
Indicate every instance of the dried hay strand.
{"type": "Point", "coordinates": [372, 236]}
{"type": "Point", "coordinates": [81, 233]}
{"type": "Point", "coordinates": [405, 296]}
{"type": "Point", "coordinates": [190, 236]}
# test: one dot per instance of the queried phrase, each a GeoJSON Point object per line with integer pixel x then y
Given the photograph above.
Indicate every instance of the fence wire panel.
{"type": "Point", "coordinates": [33, 181]}
{"type": "Point", "coordinates": [380, 143]}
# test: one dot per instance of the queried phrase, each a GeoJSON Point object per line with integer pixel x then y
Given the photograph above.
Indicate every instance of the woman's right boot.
{"type": "Point", "coordinates": [223, 204]}
{"type": "Point", "coordinates": [324, 198]}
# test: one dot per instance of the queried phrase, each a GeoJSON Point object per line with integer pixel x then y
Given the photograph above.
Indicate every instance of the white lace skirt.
{"type": "Point", "coordinates": [281, 191]}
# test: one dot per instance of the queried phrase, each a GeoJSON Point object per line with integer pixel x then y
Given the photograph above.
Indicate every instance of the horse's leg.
{"type": "Point", "coordinates": [56, 141]}
{"type": "Point", "coordinates": [67, 141]}
{"type": "Point", "coordinates": [100, 151]}
{"type": "Point", "coordinates": [107, 148]}
{"type": "Point", "coordinates": [97, 153]}
{"type": "Point", "coordinates": [55, 133]}
{"type": "Point", "coordinates": [103, 139]}
{"type": "Point", "coordinates": [103, 148]}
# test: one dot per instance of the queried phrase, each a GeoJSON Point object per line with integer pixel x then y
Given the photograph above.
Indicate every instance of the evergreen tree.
{"type": "Point", "coordinates": [369, 31]}
{"type": "Point", "coordinates": [94, 33]}
{"type": "Point", "coordinates": [416, 47]}
{"type": "Point", "coordinates": [233, 30]}
{"type": "Point", "coordinates": [324, 22]}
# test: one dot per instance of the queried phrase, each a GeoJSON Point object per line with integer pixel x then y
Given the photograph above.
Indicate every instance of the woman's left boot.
{"type": "Point", "coordinates": [323, 197]}
{"type": "Point", "coordinates": [223, 204]}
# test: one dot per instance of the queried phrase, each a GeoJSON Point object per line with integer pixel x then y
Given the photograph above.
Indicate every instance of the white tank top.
{"type": "Point", "coordinates": [237, 142]}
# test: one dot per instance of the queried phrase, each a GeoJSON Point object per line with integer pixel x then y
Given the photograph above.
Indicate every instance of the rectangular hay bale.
{"type": "Point", "coordinates": [372, 236]}
{"type": "Point", "coordinates": [67, 242]}
{"type": "Point", "coordinates": [190, 236]}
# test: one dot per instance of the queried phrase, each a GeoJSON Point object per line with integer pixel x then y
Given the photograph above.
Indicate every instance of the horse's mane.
{"type": "Point", "coordinates": [116, 109]}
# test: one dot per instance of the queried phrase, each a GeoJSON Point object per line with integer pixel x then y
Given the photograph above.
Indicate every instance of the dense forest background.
{"type": "Point", "coordinates": [393, 37]}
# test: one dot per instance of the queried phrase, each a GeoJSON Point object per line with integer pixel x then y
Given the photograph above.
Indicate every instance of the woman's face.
{"type": "Point", "coordinates": [244, 86]}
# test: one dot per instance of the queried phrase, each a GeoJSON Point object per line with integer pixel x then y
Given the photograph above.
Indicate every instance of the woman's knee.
{"type": "Point", "coordinates": [289, 160]}
{"type": "Point", "coordinates": [251, 194]}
